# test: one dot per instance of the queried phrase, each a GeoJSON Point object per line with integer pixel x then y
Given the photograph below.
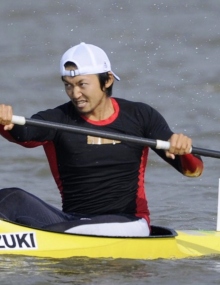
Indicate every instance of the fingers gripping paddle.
{"type": "Point", "coordinates": [158, 144]}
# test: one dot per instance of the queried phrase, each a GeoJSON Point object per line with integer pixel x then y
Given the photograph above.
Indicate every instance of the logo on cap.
{"type": "Point", "coordinates": [105, 65]}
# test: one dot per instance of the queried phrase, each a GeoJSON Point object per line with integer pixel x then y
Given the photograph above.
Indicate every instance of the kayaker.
{"type": "Point", "coordinates": [101, 181]}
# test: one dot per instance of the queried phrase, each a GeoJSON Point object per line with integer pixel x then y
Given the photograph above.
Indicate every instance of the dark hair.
{"type": "Point", "coordinates": [103, 78]}
{"type": "Point", "coordinates": [70, 64]}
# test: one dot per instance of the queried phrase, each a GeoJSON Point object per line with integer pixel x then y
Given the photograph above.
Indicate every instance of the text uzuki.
{"type": "Point", "coordinates": [18, 241]}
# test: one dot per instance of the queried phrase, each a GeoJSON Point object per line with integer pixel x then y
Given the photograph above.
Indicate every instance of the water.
{"type": "Point", "coordinates": [82, 271]}
{"type": "Point", "coordinates": [167, 55]}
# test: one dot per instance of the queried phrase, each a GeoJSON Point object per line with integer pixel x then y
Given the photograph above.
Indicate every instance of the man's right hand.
{"type": "Point", "coordinates": [6, 113]}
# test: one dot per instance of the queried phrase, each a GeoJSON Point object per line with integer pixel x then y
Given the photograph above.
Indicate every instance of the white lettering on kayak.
{"type": "Point", "coordinates": [15, 241]}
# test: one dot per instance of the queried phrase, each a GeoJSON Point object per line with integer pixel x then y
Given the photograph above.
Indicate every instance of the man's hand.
{"type": "Point", "coordinates": [179, 145]}
{"type": "Point", "coordinates": [6, 113]}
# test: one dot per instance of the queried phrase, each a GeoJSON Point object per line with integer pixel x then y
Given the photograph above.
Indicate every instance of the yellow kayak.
{"type": "Point", "coordinates": [163, 243]}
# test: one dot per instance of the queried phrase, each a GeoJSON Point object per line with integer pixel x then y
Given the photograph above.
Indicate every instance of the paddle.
{"type": "Point", "coordinates": [158, 144]}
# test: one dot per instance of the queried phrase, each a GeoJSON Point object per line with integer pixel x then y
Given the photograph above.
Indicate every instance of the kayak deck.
{"type": "Point", "coordinates": [163, 243]}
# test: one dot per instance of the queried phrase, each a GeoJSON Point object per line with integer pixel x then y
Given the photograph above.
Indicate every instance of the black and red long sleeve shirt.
{"type": "Point", "coordinates": [97, 175]}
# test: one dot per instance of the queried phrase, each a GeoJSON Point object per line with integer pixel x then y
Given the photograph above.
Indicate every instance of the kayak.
{"type": "Point", "coordinates": [163, 243]}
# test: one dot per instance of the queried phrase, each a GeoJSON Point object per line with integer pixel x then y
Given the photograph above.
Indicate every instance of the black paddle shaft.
{"type": "Point", "coordinates": [115, 136]}
{"type": "Point", "coordinates": [80, 130]}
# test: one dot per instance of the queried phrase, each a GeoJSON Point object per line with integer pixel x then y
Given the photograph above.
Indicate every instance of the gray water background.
{"type": "Point", "coordinates": [167, 55]}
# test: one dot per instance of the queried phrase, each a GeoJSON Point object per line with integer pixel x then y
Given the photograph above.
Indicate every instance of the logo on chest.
{"type": "Point", "coordinates": [97, 140]}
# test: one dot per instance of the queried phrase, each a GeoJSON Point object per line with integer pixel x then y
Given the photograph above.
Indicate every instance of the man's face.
{"type": "Point", "coordinates": [85, 92]}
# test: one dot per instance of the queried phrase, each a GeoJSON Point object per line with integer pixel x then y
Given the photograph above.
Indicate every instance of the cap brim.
{"type": "Point", "coordinates": [115, 76]}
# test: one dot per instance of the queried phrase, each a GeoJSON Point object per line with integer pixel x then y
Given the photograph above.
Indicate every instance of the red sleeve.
{"type": "Point", "coordinates": [9, 137]}
{"type": "Point", "coordinates": [191, 165]}
{"type": "Point", "coordinates": [6, 134]}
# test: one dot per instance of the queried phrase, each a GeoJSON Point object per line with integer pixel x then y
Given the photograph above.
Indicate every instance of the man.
{"type": "Point", "coordinates": [101, 181]}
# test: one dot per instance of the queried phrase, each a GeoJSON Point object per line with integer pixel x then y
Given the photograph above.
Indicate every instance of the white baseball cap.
{"type": "Point", "coordinates": [89, 59]}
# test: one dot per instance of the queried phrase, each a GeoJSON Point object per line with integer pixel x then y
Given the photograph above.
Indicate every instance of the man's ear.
{"type": "Point", "coordinates": [110, 80]}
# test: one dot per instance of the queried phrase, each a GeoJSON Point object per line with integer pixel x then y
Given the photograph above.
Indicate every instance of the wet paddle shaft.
{"type": "Point", "coordinates": [158, 144]}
